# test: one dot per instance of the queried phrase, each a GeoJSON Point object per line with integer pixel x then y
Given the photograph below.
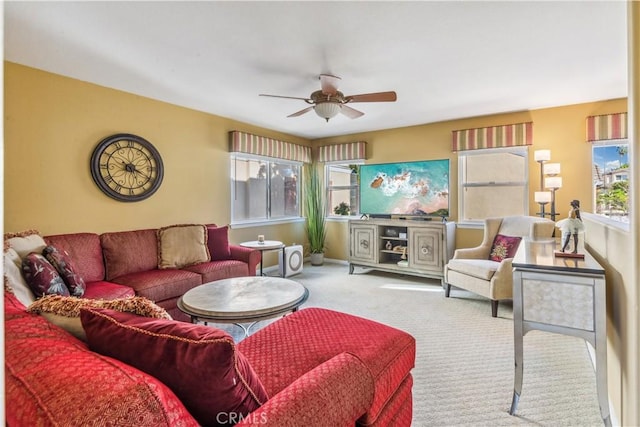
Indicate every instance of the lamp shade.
{"type": "Point", "coordinates": [542, 155]}
{"type": "Point", "coordinates": [327, 110]}
{"type": "Point", "coordinates": [551, 168]}
{"type": "Point", "coordinates": [554, 182]}
{"type": "Point", "coordinates": [542, 196]}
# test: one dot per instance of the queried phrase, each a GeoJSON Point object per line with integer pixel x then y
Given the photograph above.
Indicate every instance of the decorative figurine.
{"type": "Point", "coordinates": [571, 226]}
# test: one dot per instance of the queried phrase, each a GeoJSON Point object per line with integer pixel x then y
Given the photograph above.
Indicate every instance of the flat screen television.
{"type": "Point", "coordinates": [405, 189]}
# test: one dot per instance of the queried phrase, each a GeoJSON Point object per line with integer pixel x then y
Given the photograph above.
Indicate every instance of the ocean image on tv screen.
{"type": "Point", "coordinates": [410, 188]}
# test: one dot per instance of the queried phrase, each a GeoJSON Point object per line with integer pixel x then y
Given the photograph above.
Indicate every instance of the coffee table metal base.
{"type": "Point", "coordinates": [243, 301]}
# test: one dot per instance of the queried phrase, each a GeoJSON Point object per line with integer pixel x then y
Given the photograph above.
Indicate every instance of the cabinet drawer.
{"type": "Point", "coordinates": [559, 302]}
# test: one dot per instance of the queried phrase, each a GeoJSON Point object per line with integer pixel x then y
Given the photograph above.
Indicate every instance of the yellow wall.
{"type": "Point", "coordinates": [561, 130]}
{"type": "Point", "coordinates": [53, 123]}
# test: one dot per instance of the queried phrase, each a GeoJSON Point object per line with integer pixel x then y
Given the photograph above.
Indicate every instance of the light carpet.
{"type": "Point", "coordinates": [464, 364]}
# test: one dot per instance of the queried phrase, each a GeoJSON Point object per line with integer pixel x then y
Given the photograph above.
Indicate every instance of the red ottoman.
{"type": "Point", "coordinates": [285, 350]}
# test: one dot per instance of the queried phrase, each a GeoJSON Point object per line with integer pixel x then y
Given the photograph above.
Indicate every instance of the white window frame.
{"type": "Point", "coordinates": [462, 155]}
{"type": "Point", "coordinates": [600, 217]}
{"type": "Point", "coordinates": [327, 167]}
{"type": "Point", "coordinates": [268, 220]}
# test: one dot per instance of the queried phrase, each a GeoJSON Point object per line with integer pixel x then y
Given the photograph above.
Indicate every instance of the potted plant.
{"type": "Point", "coordinates": [315, 214]}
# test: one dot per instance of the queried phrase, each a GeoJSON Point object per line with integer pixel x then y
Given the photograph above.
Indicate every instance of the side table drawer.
{"type": "Point", "coordinates": [559, 300]}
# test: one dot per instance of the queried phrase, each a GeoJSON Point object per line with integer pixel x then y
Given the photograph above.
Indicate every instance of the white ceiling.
{"type": "Point", "coordinates": [445, 60]}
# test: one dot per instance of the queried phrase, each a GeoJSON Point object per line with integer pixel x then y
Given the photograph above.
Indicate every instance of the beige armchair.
{"type": "Point", "coordinates": [473, 270]}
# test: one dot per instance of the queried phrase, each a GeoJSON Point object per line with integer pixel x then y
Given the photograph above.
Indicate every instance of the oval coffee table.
{"type": "Point", "coordinates": [243, 300]}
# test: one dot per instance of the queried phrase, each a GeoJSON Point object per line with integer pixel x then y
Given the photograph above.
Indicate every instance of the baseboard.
{"type": "Point", "coordinates": [276, 269]}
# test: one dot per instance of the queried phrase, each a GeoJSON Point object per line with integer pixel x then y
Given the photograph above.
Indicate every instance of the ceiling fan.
{"type": "Point", "coordinates": [329, 101]}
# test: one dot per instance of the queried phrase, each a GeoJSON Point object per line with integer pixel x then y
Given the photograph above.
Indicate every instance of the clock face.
{"type": "Point", "coordinates": [127, 167]}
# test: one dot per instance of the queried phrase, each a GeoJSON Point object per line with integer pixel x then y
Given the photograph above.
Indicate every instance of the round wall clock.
{"type": "Point", "coordinates": [127, 167]}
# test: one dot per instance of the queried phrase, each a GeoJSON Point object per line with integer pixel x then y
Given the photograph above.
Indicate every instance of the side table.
{"type": "Point", "coordinates": [267, 245]}
{"type": "Point", "coordinates": [541, 284]}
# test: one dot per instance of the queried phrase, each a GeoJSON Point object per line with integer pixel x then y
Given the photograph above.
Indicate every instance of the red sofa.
{"type": "Point", "coordinates": [110, 260]}
{"type": "Point", "coordinates": [318, 368]}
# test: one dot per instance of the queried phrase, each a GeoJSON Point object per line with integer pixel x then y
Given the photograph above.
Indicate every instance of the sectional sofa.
{"type": "Point", "coordinates": [123, 263]}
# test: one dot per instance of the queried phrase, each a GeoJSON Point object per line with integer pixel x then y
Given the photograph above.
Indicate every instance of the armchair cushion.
{"type": "Point", "coordinates": [504, 247]}
{"type": "Point", "coordinates": [480, 268]}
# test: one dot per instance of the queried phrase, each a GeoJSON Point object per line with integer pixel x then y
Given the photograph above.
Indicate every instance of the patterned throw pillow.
{"type": "Point", "coordinates": [199, 363]}
{"type": "Point", "coordinates": [42, 277]}
{"type": "Point", "coordinates": [62, 262]}
{"type": "Point", "coordinates": [504, 247]}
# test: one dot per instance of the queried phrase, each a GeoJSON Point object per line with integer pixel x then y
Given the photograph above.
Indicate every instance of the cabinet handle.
{"type": "Point", "coordinates": [364, 244]}
{"type": "Point", "coordinates": [425, 250]}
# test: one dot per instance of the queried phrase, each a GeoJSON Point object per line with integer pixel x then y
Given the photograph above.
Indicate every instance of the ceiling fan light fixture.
{"type": "Point", "coordinates": [327, 110]}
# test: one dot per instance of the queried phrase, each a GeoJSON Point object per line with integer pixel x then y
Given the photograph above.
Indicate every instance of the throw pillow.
{"type": "Point", "coordinates": [182, 245]}
{"type": "Point", "coordinates": [504, 247]}
{"type": "Point", "coordinates": [14, 281]}
{"type": "Point", "coordinates": [65, 311]}
{"type": "Point", "coordinates": [62, 262]}
{"type": "Point", "coordinates": [24, 242]}
{"type": "Point", "coordinates": [42, 277]}
{"type": "Point", "coordinates": [218, 243]}
{"type": "Point", "coordinates": [200, 364]}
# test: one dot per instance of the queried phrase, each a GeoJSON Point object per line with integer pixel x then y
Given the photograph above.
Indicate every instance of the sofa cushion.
{"type": "Point", "coordinates": [218, 242]}
{"type": "Point", "coordinates": [160, 285]}
{"type": "Point", "coordinates": [217, 270]}
{"type": "Point", "coordinates": [42, 277]}
{"type": "Point", "coordinates": [128, 252]}
{"type": "Point", "coordinates": [65, 311]}
{"type": "Point", "coordinates": [62, 262]}
{"type": "Point", "coordinates": [182, 245]}
{"type": "Point", "coordinates": [504, 247]}
{"type": "Point", "coordinates": [53, 378]}
{"type": "Point", "coordinates": [306, 338]}
{"type": "Point", "coordinates": [107, 290]}
{"type": "Point", "coordinates": [199, 363]}
{"type": "Point", "coordinates": [14, 280]}
{"type": "Point", "coordinates": [480, 268]}
{"type": "Point", "coordinates": [85, 251]}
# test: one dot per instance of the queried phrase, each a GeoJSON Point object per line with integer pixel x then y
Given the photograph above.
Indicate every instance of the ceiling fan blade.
{"type": "Point", "coordinates": [301, 112]}
{"type": "Point", "coordinates": [288, 97]}
{"type": "Point", "coordinates": [352, 113]}
{"type": "Point", "coordinates": [372, 97]}
{"type": "Point", "coordinates": [329, 84]}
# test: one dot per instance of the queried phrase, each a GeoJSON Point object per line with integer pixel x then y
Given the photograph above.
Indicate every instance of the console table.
{"type": "Point", "coordinates": [562, 295]}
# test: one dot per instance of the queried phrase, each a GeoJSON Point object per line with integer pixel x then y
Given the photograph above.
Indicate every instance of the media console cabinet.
{"type": "Point", "coordinates": [414, 247]}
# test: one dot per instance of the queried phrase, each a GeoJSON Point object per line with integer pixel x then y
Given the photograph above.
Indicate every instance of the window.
{"type": "Point", "coordinates": [611, 179]}
{"type": "Point", "coordinates": [343, 196]}
{"type": "Point", "coordinates": [493, 182]}
{"type": "Point", "coordinates": [264, 189]}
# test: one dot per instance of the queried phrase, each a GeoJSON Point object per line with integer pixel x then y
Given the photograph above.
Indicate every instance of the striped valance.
{"type": "Point", "coordinates": [343, 152]}
{"type": "Point", "coordinates": [607, 126]}
{"type": "Point", "coordinates": [493, 137]}
{"type": "Point", "coordinates": [242, 142]}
